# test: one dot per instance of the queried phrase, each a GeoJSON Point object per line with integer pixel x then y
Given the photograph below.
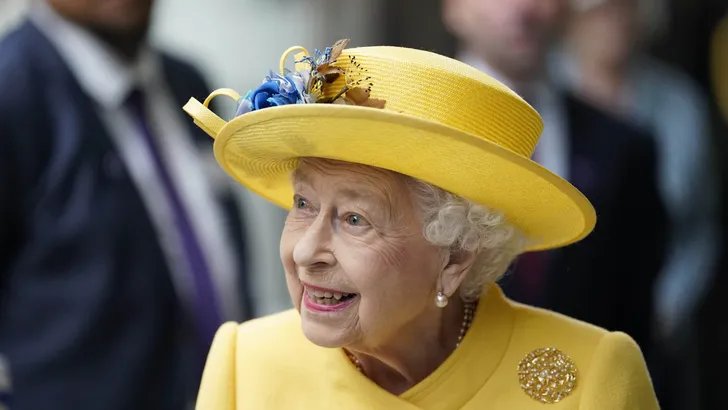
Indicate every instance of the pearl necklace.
{"type": "Point", "coordinates": [469, 311]}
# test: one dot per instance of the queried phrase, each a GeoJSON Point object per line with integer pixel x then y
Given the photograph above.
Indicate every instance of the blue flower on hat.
{"type": "Point", "coordinates": [275, 91]}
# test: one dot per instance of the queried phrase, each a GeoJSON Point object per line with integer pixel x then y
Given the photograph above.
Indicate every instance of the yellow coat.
{"type": "Point", "coordinates": [268, 364]}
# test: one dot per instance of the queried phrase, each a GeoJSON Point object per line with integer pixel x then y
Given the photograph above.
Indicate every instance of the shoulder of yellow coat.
{"type": "Point", "coordinates": [266, 344]}
{"type": "Point", "coordinates": [612, 373]}
{"type": "Point", "coordinates": [618, 377]}
{"type": "Point", "coordinates": [217, 388]}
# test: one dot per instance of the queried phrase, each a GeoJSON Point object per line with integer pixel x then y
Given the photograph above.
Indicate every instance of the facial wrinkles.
{"type": "Point", "coordinates": [321, 185]}
{"type": "Point", "coordinates": [384, 202]}
{"type": "Point", "coordinates": [367, 187]}
{"type": "Point", "coordinates": [398, 227]}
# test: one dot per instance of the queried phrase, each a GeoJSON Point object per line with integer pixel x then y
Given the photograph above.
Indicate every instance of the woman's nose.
{"type": "Point", "coordinates": [314, 246]}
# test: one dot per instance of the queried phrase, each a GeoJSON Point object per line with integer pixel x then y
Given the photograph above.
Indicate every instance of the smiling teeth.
{"type": "Point", "coordinates": [326, 298]}
{"type": "Point", "coordinates": [328, 295]}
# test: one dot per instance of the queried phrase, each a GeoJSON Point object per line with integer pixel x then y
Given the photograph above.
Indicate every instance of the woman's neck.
{"type": "Point", "coordinates": [415, 352]}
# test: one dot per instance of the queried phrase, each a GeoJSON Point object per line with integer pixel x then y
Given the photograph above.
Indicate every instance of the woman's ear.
{"type": "Point", "coordinates": [455, 271]}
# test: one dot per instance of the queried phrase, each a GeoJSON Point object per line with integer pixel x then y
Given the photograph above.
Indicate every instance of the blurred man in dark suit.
{"type": "Point", "coordinates": [607, 278]}
{"type": "Point", "coordinates": [120, 254]}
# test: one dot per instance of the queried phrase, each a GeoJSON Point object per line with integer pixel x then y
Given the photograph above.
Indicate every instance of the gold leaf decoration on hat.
{"type": "Point", "coordinates": [357, 89]}
{"type": "Point", "coordinates": [326, 68]}
{"type": "Point", "coordinates": [360, 96]}
{"type": "Point", "coordinates": [329, 72]}
{"type": "Point", "coordinates": [322, 70]}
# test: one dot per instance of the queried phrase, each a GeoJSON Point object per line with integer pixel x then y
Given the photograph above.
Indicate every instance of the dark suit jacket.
{"type": "Point", "coordinates": [88, 315]}
{"type": "Point", "coordinates": [606, 279]}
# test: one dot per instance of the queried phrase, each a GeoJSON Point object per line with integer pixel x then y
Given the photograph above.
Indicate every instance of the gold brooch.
{"type": "Point", "coordinates": [547, 375]}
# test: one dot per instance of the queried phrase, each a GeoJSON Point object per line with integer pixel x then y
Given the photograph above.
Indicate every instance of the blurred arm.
{"type": "Point", "coordinates": [7, 199]}
{"type": "Point", "coordinates": [690, 186]}
{"type": "Point", "coordinates": [24, 146]}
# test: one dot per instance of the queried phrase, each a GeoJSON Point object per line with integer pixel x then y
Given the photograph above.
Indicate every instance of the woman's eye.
{"type": "Point", "coordinates": [354, 219]}
{"type": "Point", "coordinates": [301, 203]}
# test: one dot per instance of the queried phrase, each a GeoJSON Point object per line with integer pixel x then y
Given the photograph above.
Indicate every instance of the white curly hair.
{"type": "Point", "coordinates": [458, 224]}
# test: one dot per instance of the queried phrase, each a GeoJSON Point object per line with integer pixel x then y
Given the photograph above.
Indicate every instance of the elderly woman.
{"type": "Point", "coordinates": [410, 193]}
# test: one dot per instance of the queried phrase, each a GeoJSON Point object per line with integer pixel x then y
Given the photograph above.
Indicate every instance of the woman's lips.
{"type": "Point", "coordinates": [326, 300]}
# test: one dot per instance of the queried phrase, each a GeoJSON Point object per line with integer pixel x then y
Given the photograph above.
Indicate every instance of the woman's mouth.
{"type": "Point", "coordinates": [326, 300]}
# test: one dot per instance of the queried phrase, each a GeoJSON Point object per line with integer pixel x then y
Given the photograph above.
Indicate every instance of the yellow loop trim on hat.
{"type": "Point", "coordinates": [207, 120]}
{"type": "Point", "coordinates": [287, 53]}
{"type": "Point", "coordinates": [227, 92]}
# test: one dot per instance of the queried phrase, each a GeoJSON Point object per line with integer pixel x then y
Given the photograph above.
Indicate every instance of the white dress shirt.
{"type": "Point", "coordinates": [108, 80]}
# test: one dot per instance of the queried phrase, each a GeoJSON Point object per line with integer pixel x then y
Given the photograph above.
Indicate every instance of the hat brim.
{"type": "Point", "coordinates": [261, 148]}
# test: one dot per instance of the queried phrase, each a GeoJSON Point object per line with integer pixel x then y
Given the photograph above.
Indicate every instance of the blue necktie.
{"type": "Point", "coordinates": [206, 311]}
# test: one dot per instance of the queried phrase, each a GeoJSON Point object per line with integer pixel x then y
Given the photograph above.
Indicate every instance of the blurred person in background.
{"type": "Point", "coordinates": [603, 61]}
{"type": "Point", "coordinates": [121, 254]}
{"type": "Point", "coordinates": [712, 324]}
{"type": "Point", "coordinates": [606, 279]}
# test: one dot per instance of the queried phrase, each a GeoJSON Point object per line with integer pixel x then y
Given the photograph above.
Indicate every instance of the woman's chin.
{"type": "Point", "coordinates": [324, 336]}
{"type": "Point", "coordinates": [328, 324]}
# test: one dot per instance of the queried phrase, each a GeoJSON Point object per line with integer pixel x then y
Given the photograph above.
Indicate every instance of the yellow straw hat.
{"type": "Point", "coordinates": [409, 111]}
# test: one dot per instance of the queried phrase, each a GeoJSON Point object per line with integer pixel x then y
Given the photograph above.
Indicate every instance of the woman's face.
{"type": "Point", "coordinates": [606, 33]}
{"type": "Point", "coordinates": [357, 265]}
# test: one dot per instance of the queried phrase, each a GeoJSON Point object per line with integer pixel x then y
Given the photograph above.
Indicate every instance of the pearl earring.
{"type": "Point", "coordinates": [441, 299]}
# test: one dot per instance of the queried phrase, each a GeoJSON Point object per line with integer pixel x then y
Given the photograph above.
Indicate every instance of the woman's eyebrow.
{"type": "Point", "coordinates": [299, 177]}
{"type": "Point", "coordinates": [354, 193]}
